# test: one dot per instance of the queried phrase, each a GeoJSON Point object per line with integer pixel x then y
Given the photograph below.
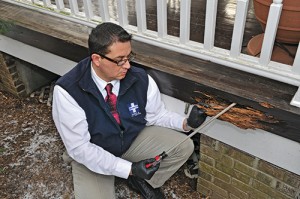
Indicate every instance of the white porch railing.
{"type": "Point", "coordinates": [233, 58]}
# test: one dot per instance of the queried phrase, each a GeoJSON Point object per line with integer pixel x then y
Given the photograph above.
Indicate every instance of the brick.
{"type": "Point", "coordinates": [231, 196]}
{"type": "Point", "coordinates": [252, 193]}
{"type": "Point", "coordinates": [278, 195]}
{"type": "Point", "coordinates": [22, 93]}
{"type": "Point", "coordinates": [256, 195]}
{"type": "Point", "coordinates": [213, 187]}
{"type": "Point", "coordinates": [14, 76]}
{"type": "Point", "coordinates": [18, 82]}
{"type": "Point", "coordinates": [12, 69]}
{"type": "Point", "coordinates": [245, 169]}
{"type": "Point", "coordinates": [231, 189]}
{"type": "Point", "coordinates": [20, 88]}
{"type": "Point", "coordinates": [241, 186]}
{"type": "Point", "coordinates": [292, 179]}
{"type": "Point", "coordinates": [208, 160]}
{"type": "Point", "coordinates": [206, 140]}
{"type": "Point", "coordinates": [206, 168]}
{"type": "Point", "coordinates": [209, 152]}
{"type": "Point", "coordinates": [226, 160]}
{"type": "Point", "coordinates": [233, 173]}
{"type": "Point", "coordinates": [263, 188]}
{"type": "Point", "coordinates": [224, 168]}
{"type": "Point", "coordinates": [222, 176]}
{"type": "Point", "coordinates": [271, 192]}
{"type": "Point", "coordinates": [214, 172]}
{"type": "Point", "coordinates": [241, 176]}
{"type": "Point", "coordinates": [286, 189]}
{"type": "Point", "coordinates": [237, 154]}
{"type": "Point", "coordinates": [271, 169]}
{"type": "Point", "coordinates": [266, 179]}
{"type": "Point", "coordinates": [9, 61]}
{"type": "Point", "coordinates": [206, 176]}
{"type": "Point", "coordinates": [217, 196]}
{"type": "Point", "coordinates": [203, 190]}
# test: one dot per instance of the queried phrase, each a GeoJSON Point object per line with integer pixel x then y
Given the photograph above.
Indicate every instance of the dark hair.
{"type": "Point", "coordinates": [104, 35]}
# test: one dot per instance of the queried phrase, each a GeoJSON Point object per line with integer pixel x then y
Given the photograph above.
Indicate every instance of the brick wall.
{"type": "Point", "coordinates": [22, 78]}
{"type": "Point", "coordinates": [9, 77]}
{"type": "Point", "coordinates": [226, 172]}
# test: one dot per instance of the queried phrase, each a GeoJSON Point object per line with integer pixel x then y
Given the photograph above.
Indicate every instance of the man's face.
{"type": "Point", "coordinates": [108, 70]}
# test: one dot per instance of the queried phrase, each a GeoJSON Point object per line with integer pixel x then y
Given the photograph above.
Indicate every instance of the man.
{"type": "Point", "coordinates": [112, 121]}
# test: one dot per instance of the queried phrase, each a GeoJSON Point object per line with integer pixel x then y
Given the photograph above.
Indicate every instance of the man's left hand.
{"type": "Point", "coordinates": [196, 118]}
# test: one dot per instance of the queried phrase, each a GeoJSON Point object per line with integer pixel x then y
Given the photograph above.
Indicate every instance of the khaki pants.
{"type": "Point", "coordinates": [150, 142]}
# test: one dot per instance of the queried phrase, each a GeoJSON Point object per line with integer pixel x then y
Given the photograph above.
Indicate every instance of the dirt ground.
{"type": "Point", "coordinates": [31, 166]}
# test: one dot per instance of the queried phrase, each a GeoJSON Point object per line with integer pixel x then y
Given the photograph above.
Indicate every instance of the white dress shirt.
{"type": "Point", "coordinates": [71, 123]}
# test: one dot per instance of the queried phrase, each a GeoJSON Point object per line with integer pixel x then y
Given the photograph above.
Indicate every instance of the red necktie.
{"type": "Point", "coordinates": [111, 99]}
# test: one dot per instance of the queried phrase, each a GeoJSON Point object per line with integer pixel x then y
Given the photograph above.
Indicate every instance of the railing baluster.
{"type": "Point", "coordinates": [140, 8]}
{"type": "Point", "coordinates": [46, 3]}
{"type": "Point", "coordinates": [74, 7]}
{"type": "Point", "coordinates": [103, 7]}
{"type": "Point", "coordinates": [270, 32]}
{"type": "Point", "coordinates": [185, 17]}
{"type": "Point", "coordinates": [60, 4]}
{"type": "Point", "coordinates": [296, 65]}
{"type": "Point", "coordinates": [88, 9]}
{"type": "Point", "coordinates": [122, 13]}
{"type": "Point", "coordinates": [210, 24]}
{"type": "Point", "coordinates": [239, 27]}
{"type": "Point", "coordinates": [162, 20]}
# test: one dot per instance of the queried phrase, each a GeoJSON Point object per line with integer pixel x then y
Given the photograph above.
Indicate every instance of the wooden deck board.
{"type": "Point", "coordinates": [177, 75]}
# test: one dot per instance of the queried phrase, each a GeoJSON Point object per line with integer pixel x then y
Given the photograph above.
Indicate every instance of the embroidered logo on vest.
{"type": "Point", "coordinates": [134, 109]}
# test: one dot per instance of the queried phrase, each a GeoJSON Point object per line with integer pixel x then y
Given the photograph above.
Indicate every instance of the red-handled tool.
{"type": "Point", "coordinates": [158, 159]}
{"type": "Point", "coordinates": [164, 154]}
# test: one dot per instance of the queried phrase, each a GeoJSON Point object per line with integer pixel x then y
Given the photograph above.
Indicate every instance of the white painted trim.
{"type": "Point", "coordinates": [35, 56]}
{"type": "Point", "coordinates": [267, 146]}
{"type": "Point", "coordinates": [296, 99]}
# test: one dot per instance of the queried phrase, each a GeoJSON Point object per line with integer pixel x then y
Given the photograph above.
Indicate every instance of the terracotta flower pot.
{"type": "Point", "coordinates": [289, 24]}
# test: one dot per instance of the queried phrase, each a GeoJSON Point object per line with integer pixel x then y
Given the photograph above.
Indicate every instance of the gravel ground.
{"type": "Point", "coordinates": [31, 165]}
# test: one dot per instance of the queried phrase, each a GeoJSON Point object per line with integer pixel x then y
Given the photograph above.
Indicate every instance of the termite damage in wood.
{"type": "Point", "coordinates": [242, 117]}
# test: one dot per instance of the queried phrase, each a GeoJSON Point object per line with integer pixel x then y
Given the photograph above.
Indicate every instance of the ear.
{"type": "Point", "coordinates": [96, 59]}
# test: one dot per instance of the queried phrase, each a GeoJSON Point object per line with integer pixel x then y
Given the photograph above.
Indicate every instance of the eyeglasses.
{"type": "Point", "coordinates": [129, 58]}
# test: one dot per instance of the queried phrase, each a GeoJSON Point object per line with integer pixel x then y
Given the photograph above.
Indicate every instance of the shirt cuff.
{"type": "Point", "coordinates": [123, 168]}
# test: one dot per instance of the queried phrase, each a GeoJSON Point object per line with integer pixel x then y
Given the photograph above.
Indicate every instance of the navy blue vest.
{"type": "Point", "coordinates": [105, 131]}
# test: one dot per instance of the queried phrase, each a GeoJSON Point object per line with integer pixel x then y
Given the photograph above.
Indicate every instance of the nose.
{"type": "Point", "coordinates": [126, 65]}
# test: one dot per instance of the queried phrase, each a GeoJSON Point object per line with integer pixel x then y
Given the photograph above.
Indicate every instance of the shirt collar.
{"type": "Point", "coordinates": [101, 83]}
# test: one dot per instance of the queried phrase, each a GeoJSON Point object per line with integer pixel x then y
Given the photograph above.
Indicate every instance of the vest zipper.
{"type": "Point", "coordinates": [122, 140]}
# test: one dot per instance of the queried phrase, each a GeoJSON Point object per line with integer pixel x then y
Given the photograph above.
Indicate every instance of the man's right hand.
{"type": "Point", "coordinates": [139, 169]}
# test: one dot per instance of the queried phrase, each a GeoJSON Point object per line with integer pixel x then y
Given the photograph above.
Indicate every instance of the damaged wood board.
{"type": "Point", "coordinates": [241, 116]}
